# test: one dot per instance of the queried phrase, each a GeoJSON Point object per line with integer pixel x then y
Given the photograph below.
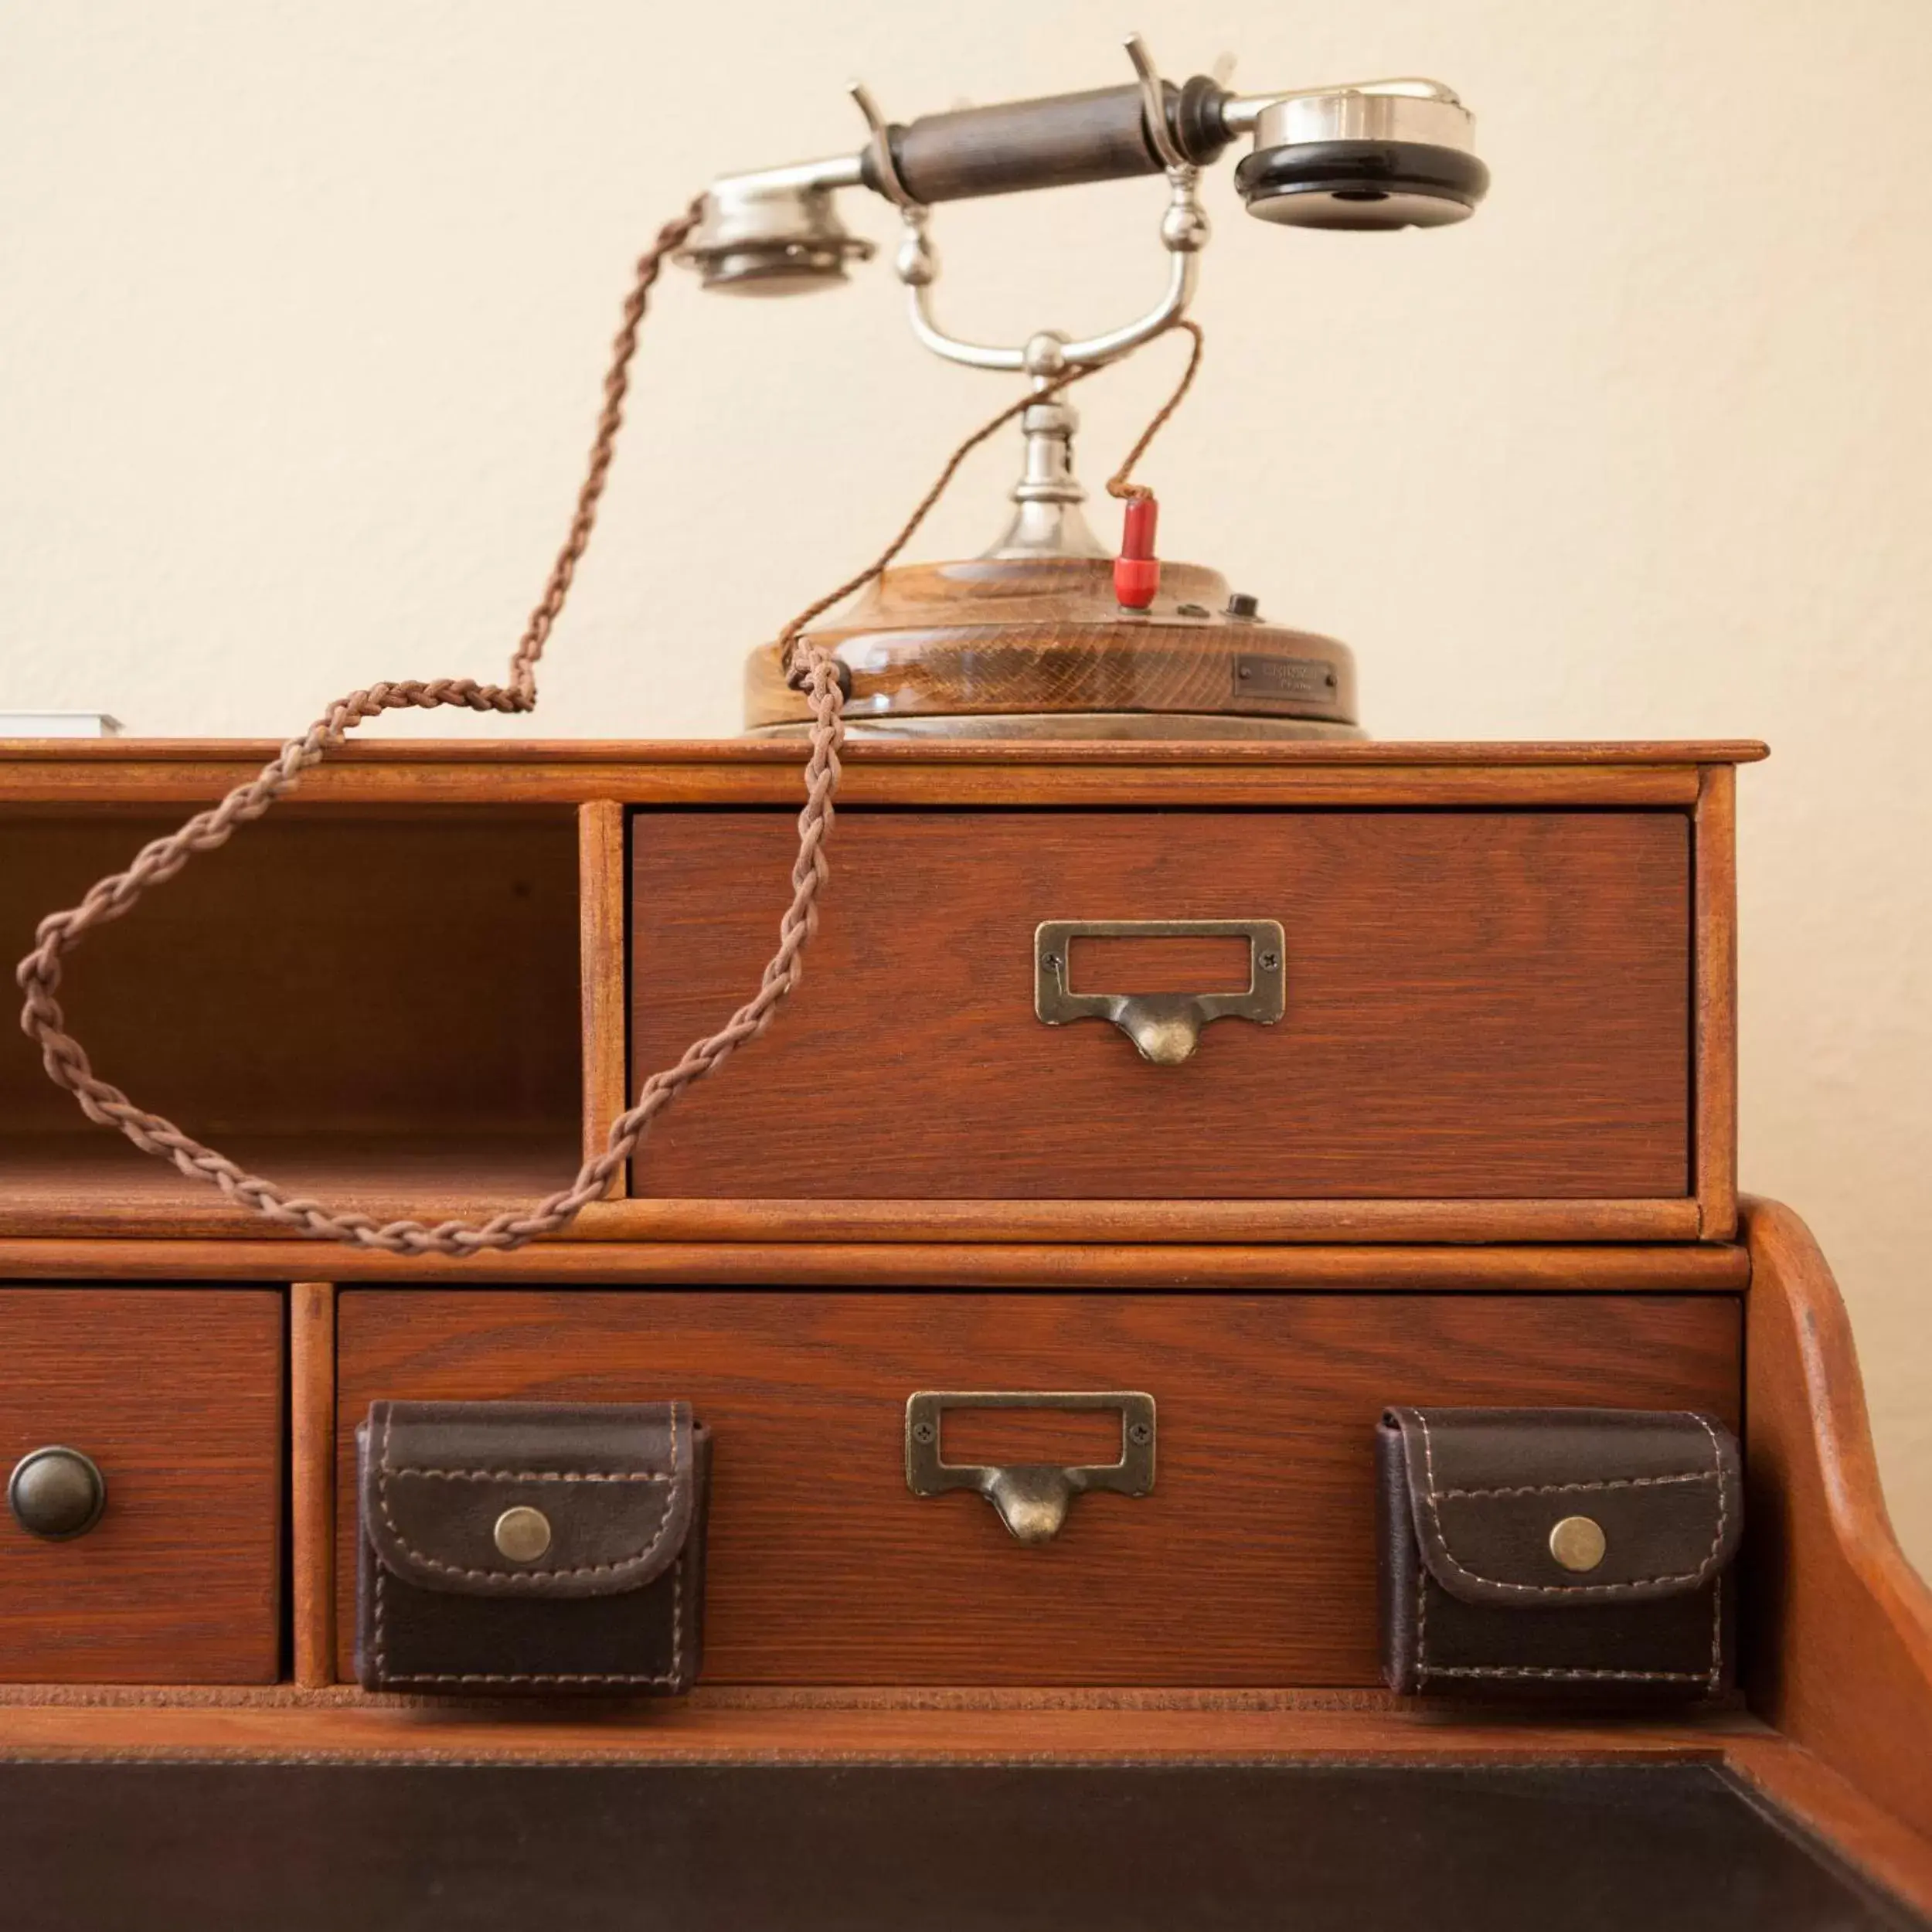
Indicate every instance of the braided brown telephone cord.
{"type": "Point", "coordinates": [812, 670]}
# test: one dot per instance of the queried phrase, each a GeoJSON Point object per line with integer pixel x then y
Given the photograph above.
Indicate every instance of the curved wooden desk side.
{"type": "Point", "coordinates": [1840, 1655]}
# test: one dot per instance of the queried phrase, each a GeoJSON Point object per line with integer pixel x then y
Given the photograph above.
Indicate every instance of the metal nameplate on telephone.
{"type": "Point", "coordinates": [1301, 678]}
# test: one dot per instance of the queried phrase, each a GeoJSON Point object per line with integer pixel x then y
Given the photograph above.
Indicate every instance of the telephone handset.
{"type": "Point", "coordinates": [1381, 155]}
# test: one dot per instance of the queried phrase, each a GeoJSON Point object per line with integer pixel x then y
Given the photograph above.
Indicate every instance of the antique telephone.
{"type": "Point", "coordinates": [1045, 635]}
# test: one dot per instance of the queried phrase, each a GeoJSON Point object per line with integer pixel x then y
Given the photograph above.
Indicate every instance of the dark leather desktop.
{"type": "Point", "coordinates": [397, 1848]}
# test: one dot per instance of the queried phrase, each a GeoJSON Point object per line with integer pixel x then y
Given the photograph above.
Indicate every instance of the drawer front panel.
{"type": "Point", "coordinates": [1252, 1562]}
{"type": "Point", "coordinates": [176, 1395]}
{"type": "Point", "coordinates": [1477, 1005]}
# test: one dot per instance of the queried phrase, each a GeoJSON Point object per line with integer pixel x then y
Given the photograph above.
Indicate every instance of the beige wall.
{"type": "Point", "coordinates": [302, 307]}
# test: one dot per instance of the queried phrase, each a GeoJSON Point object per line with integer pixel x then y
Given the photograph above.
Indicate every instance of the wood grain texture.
{"type": "Point", "coordinates": [1715, 863]}
{"type": "Point", "coordinates": [176, 1394]}
{"type": "Point", "coordinates": [1160, 783]}
{"type": "Point", "coordinates": [1478, 1005]}
{"type": "Point", "coordinates": [248, 755]}
{"type": "Point", "coordinates": [1285, 1222]}
{"type": "Point", "coordinates": [1252, 1563]}
{"type": "Point", "coordinates": [94, 1182]}
{"type": "Point", "coordinates": [601, 963]}
{"type": "Point", "coordinates": [356, 975]}
{"type": "Point", "coordinates": [697, 1730]}
{"type": "Point", "coordinates": [43, 777]}
{"type": "Point", "coordinates": [75, 1189]}
{"type": "Point", "coordinates": [311, 1380]}
{"type": "Point", "coordinates": [1867, 1836]}
{"type": "Point", "coordinates": [430, 1125]}
{"type": "Point", "coordinates": [1034, 635]}
{"type": "Point", "coordinates": [1839, 1653]}
{"type": "Point", "coordinates": [1555, 1269]}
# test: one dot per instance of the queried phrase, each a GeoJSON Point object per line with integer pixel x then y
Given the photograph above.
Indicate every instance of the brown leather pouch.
{"type": "Point", "coordinates": [1571, 1555]}
{"type": "Point", "coordinates": [524, 1547]}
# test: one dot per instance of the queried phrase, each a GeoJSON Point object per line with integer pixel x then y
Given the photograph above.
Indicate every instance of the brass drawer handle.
{"type": "Point", "coordinates": [1166, 1027]}
{"type": "Point", "coordinates": [1032, 1498]}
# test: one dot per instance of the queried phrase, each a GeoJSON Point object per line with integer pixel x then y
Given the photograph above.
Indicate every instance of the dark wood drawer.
{"type": "Point", "coordinates": [1252, 1562]}
{"type": "Point", "coordinates": [1478, 1005]}
{"type": "Point", "coordinates": [176, 1395]}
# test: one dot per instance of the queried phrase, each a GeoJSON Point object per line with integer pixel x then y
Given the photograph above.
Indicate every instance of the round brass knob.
{"type": "Point", "coordinates": [56, 1493]}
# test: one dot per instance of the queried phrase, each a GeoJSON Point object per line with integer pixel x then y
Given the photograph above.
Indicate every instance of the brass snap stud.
{"type": "Point", "coordinates": [1577, 1542]}
{"type": "Point", "coordinates": [523, 1534]}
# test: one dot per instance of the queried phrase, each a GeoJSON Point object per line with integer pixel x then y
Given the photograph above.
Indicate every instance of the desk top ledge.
{"type": "Point", "coordinates": [743, 751]}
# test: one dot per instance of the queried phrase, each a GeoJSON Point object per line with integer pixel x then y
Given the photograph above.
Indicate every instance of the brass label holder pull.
{"type": "Point", "coordinates": [1032, 1498]}
{"type": "Point", "coordinates": [1166, 1027]}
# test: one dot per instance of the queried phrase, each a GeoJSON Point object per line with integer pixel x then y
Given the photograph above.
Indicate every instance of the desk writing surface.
{"type": "Point", "coordinates": [396, 1847]}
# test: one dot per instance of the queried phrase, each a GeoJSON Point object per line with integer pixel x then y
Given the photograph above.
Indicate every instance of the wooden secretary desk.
{"type": "Point", "coordinates": [1484, 1157]}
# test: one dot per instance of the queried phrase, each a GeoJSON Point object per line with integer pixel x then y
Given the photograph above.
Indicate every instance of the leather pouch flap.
{"type": "Point", "coordinates": [1488, 1487]}
{"type": "Point", "coordinates": [613, 1484]}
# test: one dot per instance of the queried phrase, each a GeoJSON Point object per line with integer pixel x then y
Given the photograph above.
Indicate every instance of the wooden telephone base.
{"type": "Point", "coordinates": [1038, 647]}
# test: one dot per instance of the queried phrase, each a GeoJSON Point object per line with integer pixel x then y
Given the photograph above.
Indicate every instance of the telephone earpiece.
{"type": "Point", "coordinates": [1354, 158]}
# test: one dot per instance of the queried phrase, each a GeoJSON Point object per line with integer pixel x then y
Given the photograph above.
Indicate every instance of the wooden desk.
{"type": "Point", "coordinates": [418, 987]}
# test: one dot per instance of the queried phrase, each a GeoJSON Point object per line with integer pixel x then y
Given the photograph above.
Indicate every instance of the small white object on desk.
{"type": "Point", "coordinates": [58, 724]}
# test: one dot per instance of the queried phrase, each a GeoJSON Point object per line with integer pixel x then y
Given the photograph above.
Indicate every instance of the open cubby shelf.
{"type": "Point", "coordinates": [382, 1009]}
{"type": "Point", "coordinates": [43, 1177]}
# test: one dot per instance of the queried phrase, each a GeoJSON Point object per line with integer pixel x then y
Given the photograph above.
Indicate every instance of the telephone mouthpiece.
{"type": "Point", "coordinates": [768, 237]}
{"type": "Point", "coordinates": [1356, 158]}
